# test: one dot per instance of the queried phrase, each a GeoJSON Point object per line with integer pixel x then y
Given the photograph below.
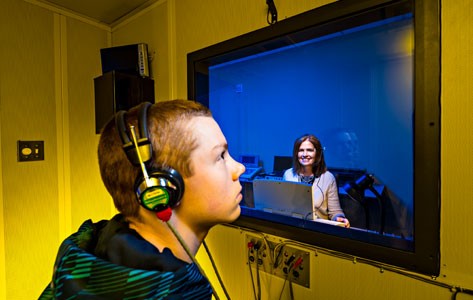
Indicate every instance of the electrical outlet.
{"type": "Point", "coordinates": [30, 150]}
{"type": "Point", "coordinates": [279, 259]}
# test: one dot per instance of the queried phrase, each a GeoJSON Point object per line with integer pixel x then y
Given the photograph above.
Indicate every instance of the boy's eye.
{"type": "Point", "coordinates": [222, 155]}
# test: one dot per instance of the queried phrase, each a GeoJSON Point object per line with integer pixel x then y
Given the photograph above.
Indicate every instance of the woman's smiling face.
{"type": "Point", "coordinates": [306, 154]}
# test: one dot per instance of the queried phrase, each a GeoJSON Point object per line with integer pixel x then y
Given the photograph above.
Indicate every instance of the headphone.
{"type": "Point", "coordinates": [156, 189]}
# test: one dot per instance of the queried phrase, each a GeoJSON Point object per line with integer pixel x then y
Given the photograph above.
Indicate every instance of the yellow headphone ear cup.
{"type": "Point", "coordinates": [155, 198]}
{"type": "Point", "coordinates": [164, 188]}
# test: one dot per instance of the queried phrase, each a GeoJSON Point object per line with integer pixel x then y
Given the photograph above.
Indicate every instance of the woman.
{"type": "Point", "coordinates": [309, 167]}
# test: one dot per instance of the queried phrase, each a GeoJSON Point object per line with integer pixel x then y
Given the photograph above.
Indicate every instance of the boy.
{"type": "Point", "coordinates": [170, 175]}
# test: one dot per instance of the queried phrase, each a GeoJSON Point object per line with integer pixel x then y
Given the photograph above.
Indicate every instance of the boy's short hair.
{"type": "Point", "coordinates": [172, 141]}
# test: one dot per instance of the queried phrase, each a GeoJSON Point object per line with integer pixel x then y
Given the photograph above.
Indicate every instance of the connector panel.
{"type": "Point", "coordinates": [280, 259]}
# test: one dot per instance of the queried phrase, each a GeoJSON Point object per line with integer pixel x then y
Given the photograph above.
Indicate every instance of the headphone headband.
{"type": "Point", "coordinates": [144, 144]}
{"type": "Point", "coordinates": [156, 189]}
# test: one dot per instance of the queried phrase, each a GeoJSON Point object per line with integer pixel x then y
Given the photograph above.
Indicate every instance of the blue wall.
{"type": "Point", "coordinates": [359, 81]}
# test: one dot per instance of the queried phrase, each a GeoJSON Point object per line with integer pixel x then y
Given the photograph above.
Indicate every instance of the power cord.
{"type": "Point", "coordinates": [258, 282]}
{"type": "Point", "coordinates": [257, 247]}
{"type": "Point", "coordinates": [272, 12]}
{"type": "Point", "coordinates": [216, 270]}
{"type": "Point", "coordinates": [292, 265]}
{"type": "Point", "coordinates": [252, 246]}
{"type": "Point", "coordinates": [461, 290]}
{"type": "Point", "coordinates": [251, 272]}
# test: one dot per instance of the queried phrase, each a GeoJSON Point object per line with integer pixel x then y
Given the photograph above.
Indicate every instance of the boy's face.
{"type": "Point", "coordinates": [213, 193]}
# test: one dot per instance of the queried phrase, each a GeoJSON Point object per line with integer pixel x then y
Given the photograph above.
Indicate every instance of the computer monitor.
{"type": "Point", "coordinates": [281, 164]}
{"type": "Point", "coordinates": [251, 161]}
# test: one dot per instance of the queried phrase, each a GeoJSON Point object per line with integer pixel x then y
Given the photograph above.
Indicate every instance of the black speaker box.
{"type": "Point", "coordinates": [132, 59]}
{"type": "Point", "coordinates": [115, 91]}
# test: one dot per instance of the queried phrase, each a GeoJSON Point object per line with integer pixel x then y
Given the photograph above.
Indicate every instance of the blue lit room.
{"type": "Point", "coordinates": [382, 85]}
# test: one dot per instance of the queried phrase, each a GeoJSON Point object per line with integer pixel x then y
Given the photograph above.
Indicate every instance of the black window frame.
{"type": "Point", "coordinates": [423, 255]}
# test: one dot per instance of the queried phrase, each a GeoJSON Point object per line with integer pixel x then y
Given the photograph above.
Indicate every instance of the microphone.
{"type": "Point", "coordinates": [356, 189]}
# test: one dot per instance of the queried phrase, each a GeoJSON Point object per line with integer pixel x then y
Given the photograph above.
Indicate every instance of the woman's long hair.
{"type": "Point", "coordinates": [318, 167]}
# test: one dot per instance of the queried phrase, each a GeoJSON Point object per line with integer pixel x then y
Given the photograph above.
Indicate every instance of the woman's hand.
{"type": "Point", "coordinates": [345, 221]}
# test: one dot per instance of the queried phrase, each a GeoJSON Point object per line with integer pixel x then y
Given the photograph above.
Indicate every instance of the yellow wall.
{"type": "Point", "coordinates": [48, 60]}
{"type": "Point", "coordinates": [47, 66]}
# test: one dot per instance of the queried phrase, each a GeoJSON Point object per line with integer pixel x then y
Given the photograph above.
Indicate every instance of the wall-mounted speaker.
{"type": "Point", "coordinates": [115, 91]}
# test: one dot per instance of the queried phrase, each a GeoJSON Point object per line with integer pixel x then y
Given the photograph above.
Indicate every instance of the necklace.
{"type": "Point", "coordinates": [306, 179]}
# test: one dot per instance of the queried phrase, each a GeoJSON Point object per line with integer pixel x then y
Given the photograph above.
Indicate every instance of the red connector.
{"type": "Point", "coordinates": [298, 262]}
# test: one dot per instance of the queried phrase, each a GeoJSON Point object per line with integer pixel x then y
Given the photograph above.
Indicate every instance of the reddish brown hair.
{"type": "Point", "coordinates": [172, 141]}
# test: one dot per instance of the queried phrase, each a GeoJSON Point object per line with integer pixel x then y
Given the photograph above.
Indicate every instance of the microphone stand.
{"type": "Point", "coordinates": [356, 190]}
{"type": "Point", "coordinates": [381, 208]}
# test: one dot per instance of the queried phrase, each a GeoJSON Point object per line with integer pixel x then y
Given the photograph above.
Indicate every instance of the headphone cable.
{"type": "Point", "coordinates": [183, 244]}
{"type": "Point", "coordinates": [251, 273]}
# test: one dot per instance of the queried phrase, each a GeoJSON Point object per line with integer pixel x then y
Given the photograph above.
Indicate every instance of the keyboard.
{"type": "Point", "coordinates": [251, 172]}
